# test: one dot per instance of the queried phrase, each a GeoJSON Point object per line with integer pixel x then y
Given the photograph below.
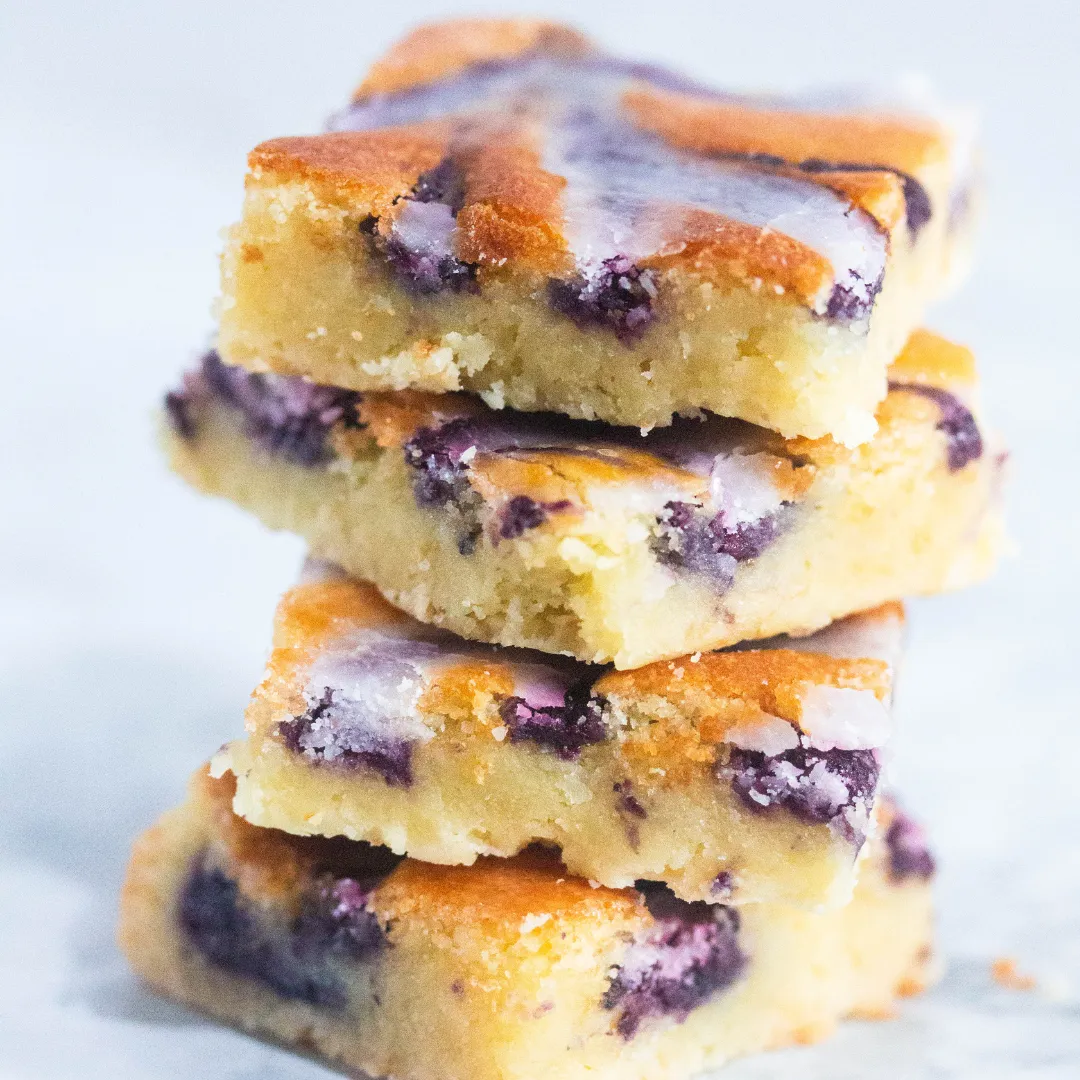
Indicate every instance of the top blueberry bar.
{"type": "Point", "coordinates": [504, 209]}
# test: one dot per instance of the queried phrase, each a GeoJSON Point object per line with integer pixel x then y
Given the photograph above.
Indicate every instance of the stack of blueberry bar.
{"type": "Point", "coordinates": [600, 399]}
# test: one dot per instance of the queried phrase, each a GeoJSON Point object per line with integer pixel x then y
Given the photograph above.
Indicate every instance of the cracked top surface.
{"type": "Point", "coordinates": [573, 161]}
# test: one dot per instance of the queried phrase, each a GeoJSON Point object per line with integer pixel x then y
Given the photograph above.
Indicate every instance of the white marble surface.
{"type": "Point", "coordinates": [134, 617]}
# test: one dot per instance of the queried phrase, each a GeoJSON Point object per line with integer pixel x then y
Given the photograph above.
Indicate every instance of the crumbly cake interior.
{"type": "Point", "coordinates": [558, 229]}
{"type": "Point", "coordinates": [743, 776]}
{"type": "Point", "coordinates": [601, 543]}
{"type": "Point", "coordinates": [507, 969]}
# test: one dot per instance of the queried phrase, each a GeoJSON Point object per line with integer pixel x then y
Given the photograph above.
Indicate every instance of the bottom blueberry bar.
{"type": "Point", "coordinates": [509, 968]}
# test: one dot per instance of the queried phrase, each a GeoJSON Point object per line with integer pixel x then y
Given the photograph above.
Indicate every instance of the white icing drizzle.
{"type": "Point", "coordinates": [736, 479]}
{"type": "Point", "coordinates": [377, 682]}
{"type": "Point", "coordinates": [742, 486]}
{"type": "Point", "coordinates": [623, 185]}
{"type": "Point", "coordinates": [910, 96]}
{"type": "Point", "coordinates": [425, 228]}
{"type": "Point", "coordinates": [841, 718]}
{"type": "Point", "coordinates": [382, 673]}
{"type": "Point", "coordinates": [768, 735]}
{"type": "Point", "coordinates": [832, 717]}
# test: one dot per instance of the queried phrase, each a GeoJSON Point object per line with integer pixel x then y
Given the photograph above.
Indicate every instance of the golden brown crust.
{"type": "Point", "coordinates": [710, 693]}
{"type": "Point", "coordinates": [438, 50]}
{"type": "Point", "coordinates": [369, 168]}
{"type": "Point", "coordinates": [550, 476]}
{"type": "Point", "coordinates": [501, 891]}
{"type": "Point", "coordinates": [890, 611]}
{"type": "Point", "coordinates": [311, 614]}
{"type": "Point", "coordinates": [394, 418]}
{"type": "Point", "coordinates": [467, 690]}
{"type": "Point", "coordinates": [681, 711]}
{"type": "Point", "coordinates": [722, 689]}
{"type": "Point", "coordinates": [512, 219]}
{"type": "Point", "coordinates": [721, 250]}
{"type": "Point", "coordinates": [267, 863]}
{"type": "Point", "coordinates": [880, 194]}
{"type": "Point", "coordinates": [512, 209]}
{"type": "Point", "coordinates": [930, 360]}
{"type": "Point", "coordinates": [907, 144]}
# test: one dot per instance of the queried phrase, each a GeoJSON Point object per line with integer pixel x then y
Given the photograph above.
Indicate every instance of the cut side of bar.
{"type": "Point", "coordinates": [506, 970]}
{"type": "Point", "coordinates": [744, 776]}
{"type": "Point", "coordinates": [559, 229]}
{"type": "Point", "coordinates": [602, 543]}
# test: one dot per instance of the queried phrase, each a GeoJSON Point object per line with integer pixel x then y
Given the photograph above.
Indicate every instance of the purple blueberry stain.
{"type": "Point", "coordinates": [820, 787]}
{"type": "Point", "coordinates": [687, 540]}
{"type": "Point", "coordinates": [300, 959]}
{"type": "Point", "coordinates": [917, 206]}
{"type": "Point", "coordinates": [443, 184]}
{"type": "Point", "coordinates": [418, 253]}
{"type": "Point", "coordinates": [853, 301]}
{"type": "Point", "coordinates": [335, 731]}
{"type": "Point", "coordinates": [723, 885]}
{"type": "Point", "coordinates": [627, 802]}
{"type": "Point", "coordinates": [630, 810]}
{"type": "Point", "coordinates": [361, 696]}
{"type": "Point", "coordinates": [182, 407]}
{"type": "Point", "coordinates": [616, 172]}
{"type": "Point", "coordinates": [419, 246]}
{"type": "Point", "coordinates": [745, 540]}
{"type": "Point", "coordinates": [964, 441]}
{"type": "Point", "coordinates": [690, 954]}
{"type": "Point", "coordinates": [439, 458]}
{"type": "Point", "coordinates": [436, 456]}
{"type": "Point", "coordinates": [440, 476]}
{"type": "Point", "coordinates": [564, 727]}
{"type": "Point", "coordinates": [909, 855]}
{"type": "Point", "coordinates": [288, 416]}
{"type": "Point", "coordinates": [521, 514]}
{"type": "Point", "coordinates": [618, 297]}
{"type": "Point", "coordinates": [336, 922]}
{"type": "Point", "coordinates": [747, 514]}
{"type": "Point", "coordinates": [692, 539]}
{"type": "Point", "coordinates": [916, 203]}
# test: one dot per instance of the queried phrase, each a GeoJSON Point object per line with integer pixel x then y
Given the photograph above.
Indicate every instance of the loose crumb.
{"type": "Point", "coordinates": [1005, 973]}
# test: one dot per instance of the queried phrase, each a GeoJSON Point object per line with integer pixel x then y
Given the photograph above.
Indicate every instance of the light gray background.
{"type": "Point", "coordinates": [135, 617]}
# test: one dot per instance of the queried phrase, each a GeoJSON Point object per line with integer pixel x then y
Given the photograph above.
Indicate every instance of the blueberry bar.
{"type": "Point", "coordinates": [506, 970]}
{"type": "Point", "coordinates": [575, 537]}
{"type": "Point", "coordinates": [745, 775]}
{"type": "Point", "coordinates": [506, 210]}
